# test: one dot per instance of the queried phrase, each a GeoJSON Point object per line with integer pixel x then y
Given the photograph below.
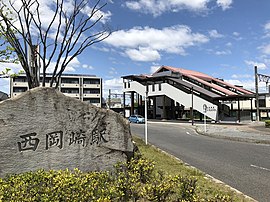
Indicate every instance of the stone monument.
{"type": "Point", "coordinates": [44, 129]}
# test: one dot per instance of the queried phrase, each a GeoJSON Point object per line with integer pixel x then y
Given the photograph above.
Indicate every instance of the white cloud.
{"type": "Point", "coordinates": [235, 76]}
{"type": "Point", "coordinates": [75, 63]}
{"type": "Point", "coordinates": [158, 7]}
{"type": "Point", "coordinates": [229, 44]}
{"type": "Point", "coordinates": [247, 84]}
{"type": "Point", "coordinates": [143, 54]}
{"type": "Point", "coordinates": [265, 49]}
{"type": "Point", "coordinates": [4, 85]}
{"type": "Point", "coordinates": [15, 68]}
{"type": "Point", "coordinates": [267, 26]}
{"type": "Point", "coordinates": [224, 4]}
{"type": "Point", "coordinates": [85, 66]}
{"type": "Point", "coordinates": [115, 85]}
{"type": "Point", "coordinates": [267, 30]}
{"type": "Point", "coordinates": [236, 33]}
{"type": "Point", "coordinates": [261, 66]}
{"type": "Point", "coordinates": [153, 41]}
{"type": "Point", "coordinates": [225, 52]}
{"type": "Point", "coordinates": [237, 36]}
{"type": "Point", "coordinates": [214, 34]}
{"type": "Point", "coordinates": [113, 71]}
{"type": "Point", "coordinates": [47, 13]}
{"type": "Point", "coordinates": [106, 16]}
{"type": "Point", "coordinates": [4, 82]}
{"type": "Point", "coordinates": [154, 68]}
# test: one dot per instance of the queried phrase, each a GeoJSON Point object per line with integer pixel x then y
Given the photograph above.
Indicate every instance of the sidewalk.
{"type": "Point", "coordinates": [245, 132]}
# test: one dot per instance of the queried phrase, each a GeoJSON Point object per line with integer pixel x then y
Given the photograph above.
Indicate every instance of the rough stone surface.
{"type": "Point", "coordinates": [43, 128]}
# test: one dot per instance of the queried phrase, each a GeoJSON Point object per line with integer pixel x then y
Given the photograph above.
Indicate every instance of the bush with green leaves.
{"type": "Point", "coordinates": [267, 123]}
{"type": "Point", "coordinates": [136, 180]}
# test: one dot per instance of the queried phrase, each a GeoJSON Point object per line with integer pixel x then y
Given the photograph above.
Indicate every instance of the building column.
{"type": "Point", "coordinates": [141, 105]}
{"type": "Point", "coordinates": [124, 103]}
{"type": "Point", "coordinates": [164, 107]}
{"type": "Point", "coordinates": [238, 118]}
{"type": "Point", "coordinates": [132, 103]}
{"type": "Point", "coordinates": [231, 110]}
{"type": "Point", "coordinates": [251, 109]}
{"type": "Point", "coordinates": [172, 109]}
{"type": "Point", "coordinates": [154, 108]}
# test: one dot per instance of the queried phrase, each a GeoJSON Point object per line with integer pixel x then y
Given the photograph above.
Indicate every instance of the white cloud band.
{"type": "Point", "coordinates": [146, 44]}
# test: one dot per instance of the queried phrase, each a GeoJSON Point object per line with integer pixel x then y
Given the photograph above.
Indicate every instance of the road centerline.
{"type": "Point", "coordinates": [259, 167]}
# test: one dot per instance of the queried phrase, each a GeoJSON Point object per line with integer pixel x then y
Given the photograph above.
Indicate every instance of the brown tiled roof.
{"type": "Point", "coordinates": [207, 80]}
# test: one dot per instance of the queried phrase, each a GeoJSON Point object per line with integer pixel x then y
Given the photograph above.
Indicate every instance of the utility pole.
{"type": "Point", "coordinates": [257, 94]}
{"type": "Point", "coordinates": [145, 117]}
{"type": "Point", "coordinates": [192, 112]}
{"type": "Point", "coordinates": [109, 98]}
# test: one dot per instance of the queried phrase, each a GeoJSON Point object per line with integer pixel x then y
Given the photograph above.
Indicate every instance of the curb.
{"type": "Point", "coordinates": [237, 139]}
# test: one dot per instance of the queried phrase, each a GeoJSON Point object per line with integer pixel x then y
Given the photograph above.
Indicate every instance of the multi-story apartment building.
{"type": "Point", "coordinates": [87, 88]}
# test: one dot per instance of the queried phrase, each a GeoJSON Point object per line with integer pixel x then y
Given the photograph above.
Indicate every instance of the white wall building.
{"type": "Point", "coordinates": [87, 88]}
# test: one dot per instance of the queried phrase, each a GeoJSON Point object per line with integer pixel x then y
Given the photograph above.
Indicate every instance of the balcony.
{"type": "Point", "coordinates": [75, 95]}
{"type": "Point", "coordinates": [96, 104]}
{"type": "Point", "coordinates": [70, 85]}
{"type": "Point", "coordinates": [16, 94]}
{"type": "Point", "coordinates": [48, 84]}
{"type": "Point", "coordinates": [20, 84]}
{"type": "Point", "coordinates": [91, 85]}
{"type": "Point", "coordinates": [88, 95]}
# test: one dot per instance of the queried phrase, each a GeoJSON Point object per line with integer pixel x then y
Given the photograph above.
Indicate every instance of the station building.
{"type": "Point", "coordinates": [177, 93]}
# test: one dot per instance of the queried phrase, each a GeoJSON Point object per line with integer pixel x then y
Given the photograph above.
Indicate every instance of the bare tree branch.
{"type": "Point", "coordinates": [73, 31]}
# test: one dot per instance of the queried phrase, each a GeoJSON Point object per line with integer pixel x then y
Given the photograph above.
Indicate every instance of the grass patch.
{"type": "Point", "coordinates": [206, 187]}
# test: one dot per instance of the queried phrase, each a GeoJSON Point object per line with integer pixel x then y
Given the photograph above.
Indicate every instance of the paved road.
{"type": "Point", "coordinates": [244, 166]}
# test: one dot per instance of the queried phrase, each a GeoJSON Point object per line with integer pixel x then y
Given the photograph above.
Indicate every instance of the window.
{"type": "Point", "coordinates": [19, 89]}
{"type": "Point", "coordinates": [70, 80]}
{"type": "Point", "coordinates": [91, 81]}
{"type": "Point", "coordinates": [94, 100]}
{"type": "Point", "coordinates": [91, 91]}
{"type": "Point", "coordinates": [19, 79]}
{"type": "Point", "coordinates": [68, 90]}
{"type": "Point", "coordinates": [262, 103]}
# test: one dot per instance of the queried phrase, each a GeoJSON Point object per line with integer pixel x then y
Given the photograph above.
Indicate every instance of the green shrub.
{"type": "Point", "coordinates": [160, 189]}
{"type": "Point", "coordinates": [267, 123]}
{"type": "Point", "coordinates": [136, 180]}
{"type": "Point", "coordinates": [186, 188]}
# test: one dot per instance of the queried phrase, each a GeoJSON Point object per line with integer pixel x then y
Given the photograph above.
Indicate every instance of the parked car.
{"type": "Point", "coordinates": [136, 119]}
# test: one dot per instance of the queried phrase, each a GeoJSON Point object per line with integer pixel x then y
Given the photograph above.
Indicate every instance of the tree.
{"type": "Point", "coordinates": [6, 73]}
{"type": "Point", "coordinates": [73, 27]}
{"type": "Point", "coordinates": [7, 54]}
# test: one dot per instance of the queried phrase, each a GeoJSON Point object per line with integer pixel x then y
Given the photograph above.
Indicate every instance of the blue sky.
{"type": "Point", "coordinates": [222, 38]}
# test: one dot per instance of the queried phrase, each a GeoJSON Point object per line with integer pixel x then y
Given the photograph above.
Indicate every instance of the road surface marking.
{"type": "Point", "coordinates": [259, 167]}
{"type": "Point", "coordinates": [188, 133]}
